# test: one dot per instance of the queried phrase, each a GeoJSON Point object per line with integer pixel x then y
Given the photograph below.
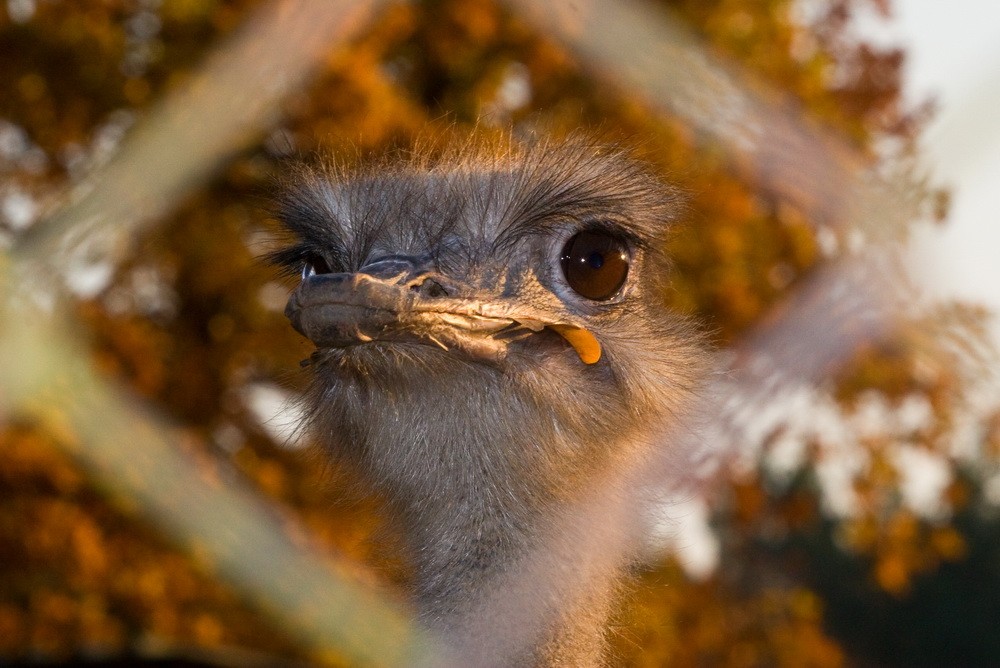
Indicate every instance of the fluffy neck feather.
{"type": "Point", "coordinates": [517, 526]}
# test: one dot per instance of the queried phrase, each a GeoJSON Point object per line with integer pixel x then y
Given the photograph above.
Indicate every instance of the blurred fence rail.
{"type": "Point", "coordinates": [228, 105]}
{"type": "Point", "coordinates": [764, 133]}
{"type": "Point", "coordinates": [133, 453]}
{"type": "Point", "coordinates": [224, 108]}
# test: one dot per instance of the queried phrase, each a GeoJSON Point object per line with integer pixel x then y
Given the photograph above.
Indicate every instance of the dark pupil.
{"type": "Point", "coordinates": [595, 264]}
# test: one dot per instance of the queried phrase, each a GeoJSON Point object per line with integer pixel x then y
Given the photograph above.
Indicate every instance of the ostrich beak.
{"type": "Point", "coordinates": [339, 310]}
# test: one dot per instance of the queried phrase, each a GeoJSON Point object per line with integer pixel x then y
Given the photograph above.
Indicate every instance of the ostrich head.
{"type": "Point", "coordinates": [492, 354]}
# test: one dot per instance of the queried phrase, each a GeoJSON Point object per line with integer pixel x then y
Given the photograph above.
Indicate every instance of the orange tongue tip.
{"type": "Point", "coordinates": [584, 343]}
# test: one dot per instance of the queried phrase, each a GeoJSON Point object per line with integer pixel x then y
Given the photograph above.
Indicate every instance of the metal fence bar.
{"type": "Point", "coordinates": [768, 140]}
{"type": "Point", "coordinates": [225, 107]}
{"type": "Point", "coordinates": [644, 49]}
{"type": "Point", "coordinates": [132, 453]}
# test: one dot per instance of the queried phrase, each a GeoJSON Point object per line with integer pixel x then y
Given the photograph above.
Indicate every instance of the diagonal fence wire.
{"type": "Point", "coordinates": [227, 106]}
{"type": "Point", "coordinates": [224, 108]}
{"type": "Point", "coordinates": [856, 298]}
{"type": "Point", "coordinates": [647, 51]}
{"type": "Point", "coordinates": [45, 375]}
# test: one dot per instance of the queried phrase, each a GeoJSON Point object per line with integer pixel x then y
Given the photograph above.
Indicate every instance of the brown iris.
{"type": "Point", "coordinates": [595, 264]}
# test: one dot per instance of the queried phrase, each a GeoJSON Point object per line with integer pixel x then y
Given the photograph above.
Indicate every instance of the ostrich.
{"type": "Point", "coordinates": [494, 358]}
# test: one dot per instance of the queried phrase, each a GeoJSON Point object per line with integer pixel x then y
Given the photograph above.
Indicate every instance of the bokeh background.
{"type": "Point", "coordinates": [859, 524]}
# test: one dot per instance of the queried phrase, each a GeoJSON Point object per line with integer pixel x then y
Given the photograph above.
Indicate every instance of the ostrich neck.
{"type": "Point", "coordinates": [515, 506]}
{"type": "Point", "coordinates": [511, 575]}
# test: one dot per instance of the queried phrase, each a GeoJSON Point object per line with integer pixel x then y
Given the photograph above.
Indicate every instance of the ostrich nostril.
{"type": "Point", "coordinates": [429, 288]}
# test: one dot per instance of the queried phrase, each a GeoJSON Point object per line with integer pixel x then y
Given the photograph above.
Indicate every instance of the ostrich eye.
{"type": "Point", "coordinates": [595, 264]}
{"type": "Point", "coordinates": [315, 264]}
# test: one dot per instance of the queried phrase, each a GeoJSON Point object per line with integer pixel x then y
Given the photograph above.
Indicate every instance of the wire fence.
{"type": "Point", "coordinates": [45, 373]}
